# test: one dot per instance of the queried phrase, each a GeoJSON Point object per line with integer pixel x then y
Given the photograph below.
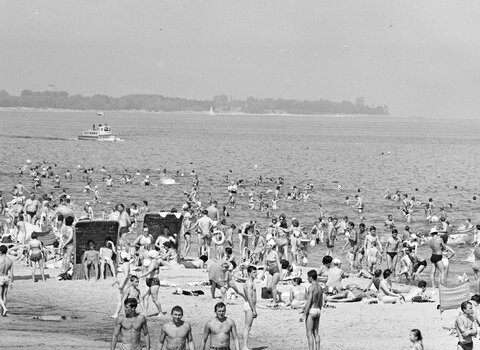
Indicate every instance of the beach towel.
{"type": "Point", "coordinates": [452, 295]}
{"type": "Point", "coordinates": [47, 238]}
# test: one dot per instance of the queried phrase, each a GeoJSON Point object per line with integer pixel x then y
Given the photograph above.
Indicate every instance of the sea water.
{"type": "Point", "coordinates": [339, 155]}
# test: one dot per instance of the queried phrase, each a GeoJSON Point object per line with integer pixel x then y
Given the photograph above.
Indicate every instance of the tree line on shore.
{"type": "Point", "coordinates": [159, 103]}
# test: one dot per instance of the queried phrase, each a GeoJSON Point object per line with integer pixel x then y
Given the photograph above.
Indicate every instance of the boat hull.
{"type": "Point", "coordinates": [98, 138]}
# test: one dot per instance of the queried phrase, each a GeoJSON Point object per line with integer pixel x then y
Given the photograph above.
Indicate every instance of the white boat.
{"type": "Point", "coordinates": [102, 132]}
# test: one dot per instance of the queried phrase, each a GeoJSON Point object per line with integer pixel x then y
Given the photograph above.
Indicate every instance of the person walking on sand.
{"type": "Point", "coordinates": [6, 278]}
{"type": "Point", "coordinates": [130, 327]}
{"type": "Point", "coordinates": [177, 333]}
{"type": "Point", "coordinates": [312, 311]}
{"type": "Point", "coordinates": [153, 285]}
{"type": "Point", "coordinates": [220, 329]}
{"type": "Point", "coordinates": [249, 307]}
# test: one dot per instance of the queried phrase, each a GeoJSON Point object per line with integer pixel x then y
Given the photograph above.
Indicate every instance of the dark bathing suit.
{"type": "Point", "coordinates": [272, 267]}
{"type": "Point", "coordinates": [219, 348]}
{"type": "Point", "coordinates": [152, 282]}
{"type": "Point", "coordinates": [466, 346]}
{"type": "Point", "coordinates": [436, 258]}
{"type": "Point", "coordinates": [392, 254]}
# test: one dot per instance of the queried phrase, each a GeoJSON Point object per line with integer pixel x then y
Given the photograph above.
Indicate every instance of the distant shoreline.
{"type": "Point", "coordinates": [58, 110]}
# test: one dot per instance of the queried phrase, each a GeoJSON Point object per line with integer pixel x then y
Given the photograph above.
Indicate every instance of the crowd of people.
{"type": "Point", "coordinates": [232, 252]}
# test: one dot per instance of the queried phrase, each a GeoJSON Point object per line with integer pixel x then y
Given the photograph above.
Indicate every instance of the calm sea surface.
{"type": "Point", "coordinates": [423, 158]}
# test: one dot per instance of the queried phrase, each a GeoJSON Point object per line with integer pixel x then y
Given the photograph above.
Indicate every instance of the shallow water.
{"type": "Point", "coordinates": [423, 158]}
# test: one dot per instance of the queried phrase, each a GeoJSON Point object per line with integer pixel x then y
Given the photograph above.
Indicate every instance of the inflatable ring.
{"type": "Point", "coordinates": [418, 203]}
{"type": "Point", "coordinates": [218, 241]}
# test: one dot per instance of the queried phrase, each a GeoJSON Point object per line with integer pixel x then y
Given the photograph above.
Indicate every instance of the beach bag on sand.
{"type": "Point", "coordinates": [266, 293]}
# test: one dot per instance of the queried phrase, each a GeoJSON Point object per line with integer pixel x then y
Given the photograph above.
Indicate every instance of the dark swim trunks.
{"type": "Point", "coordinates": [152, 282]}
{"type": "Point", "coordinates": [219, 348]}
{"type": "Point", "coordinates": [466, 346]}
{"type": "Point", "coordinates": [436, 258]}
{"type": "Point", "coordinates": [31, 213]}
{"type": "Point", "coordinates": [392, 254]}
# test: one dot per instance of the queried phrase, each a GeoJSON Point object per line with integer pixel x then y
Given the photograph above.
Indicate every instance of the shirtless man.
{"type": "Point", "coordinates": [220, 329]}
{"type": "Point", "coordinates": [130, 327]}
{"type": "Point", "coordinates": [205, 228]}
{"type": "Point", "coordinates": [250, 295]}
{"type": "Point", "coordinates": [312, 311]}
{"type": "Point", "coordinates": [437, 245]}
{"type": "Point", "coordinates": [153, 284]}
{"type": "Point", "coordinates": [391, 250]}
{"type": "Point", "coordinates": [30, 209]}
{"type": "Point", "coordinates": [6, 278]}
{"type": "Point", "coordinates": [213, 212]}
{"type": "Point", "coordinates": [359, 205]}
{"type": "Point", "coordinates": [177, 333]}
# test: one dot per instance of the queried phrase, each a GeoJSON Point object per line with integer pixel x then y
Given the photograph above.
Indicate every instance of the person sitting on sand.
{"type": "Point", "coordinates": [298, 294]}
{"type": "Point", "coordinates": [335, 276]}
{"type": "Point", "coordinates": [90, 258]}
{"type": "Point", "coordinates": [374, 284]}
{"type": "Point", "coordinates": [36, 256]}
{"type": "Point", "coordinates": [416, 339]}
{"type": "Point", "coordinates": [106, 258]}
{"type": "Point", "coordinates": [386, 294]}
{"type": "Point", "coordinates": [419, 293]}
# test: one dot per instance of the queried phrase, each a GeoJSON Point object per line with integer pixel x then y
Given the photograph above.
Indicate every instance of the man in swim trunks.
{"type": "Point", "coordinates": [6, 278]}
{"type": "Point", "coordinates": [391, 249]}
{"type": "Point", "coordinates": [466, 327]}
{"type": "Point", "coordinates": [312, 311]}
{"type": "Point", "coordinates": [220, 329]}
{"type": "Point", "coordinates": [30, 209]}
{"type": "Point", "coordinates": [249, 307]}
{"type": "Point", "coordinates": [437, 246]}
{"type": "Point", "coordinates": [177, 333]}
{"type": "Point", "coordinates": [359, 205]}
{"type": "Point", "coordinates": [130, 327]}
{"type": "Point", "coordinates": [205, 229]}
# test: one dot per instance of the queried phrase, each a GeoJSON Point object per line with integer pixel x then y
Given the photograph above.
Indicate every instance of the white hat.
{"type": "Point", "coordinates": [433, 230]}
{"type": "Point", "coordinates": [28, 161]}
{"type": "Point", "coordinates": [187, 215]}
{"type": "Point", "coordinates": [336, 261]}
{"type": "Point", "coordinates": [414, 236]}
{"type": "Point", "coordinates": [68, 196]}
{"type": "Point", "coordinates": [87, 203]}
{"type": "Point", "coordinates": [185, 206]}
{"type": "Point", "coordinates": [271, 242]}
{"type": "Point", "coordinates": [147, 176]}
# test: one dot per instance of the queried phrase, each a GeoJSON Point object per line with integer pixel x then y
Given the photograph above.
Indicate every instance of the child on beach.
{"type": "Point", "coordinates": [416, 339]}
{"type": "Point", "coordinates": [122, 280]}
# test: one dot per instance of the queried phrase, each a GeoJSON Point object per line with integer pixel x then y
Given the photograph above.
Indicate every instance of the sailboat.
{"type": "Point", "coordinates": [211, 111]}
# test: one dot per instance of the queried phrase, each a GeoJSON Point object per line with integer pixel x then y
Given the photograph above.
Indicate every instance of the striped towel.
{"type": "Point", "coordinates": [452, 295]}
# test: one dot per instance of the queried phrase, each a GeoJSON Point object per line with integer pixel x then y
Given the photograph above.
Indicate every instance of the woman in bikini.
{"type": "Point", "coordinates": [142, 243]}
{"type": "Point", "coordinates": [36, 256]}
{"type": "Point", "coordinates": [271, 262]}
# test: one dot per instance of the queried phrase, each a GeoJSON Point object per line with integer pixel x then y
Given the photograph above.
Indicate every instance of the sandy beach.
{"type": "Point", "coordinates": [87, 306]}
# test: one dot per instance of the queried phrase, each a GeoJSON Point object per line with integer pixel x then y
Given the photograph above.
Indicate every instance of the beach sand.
{"type": "Point", "coordinates": [87, 306]}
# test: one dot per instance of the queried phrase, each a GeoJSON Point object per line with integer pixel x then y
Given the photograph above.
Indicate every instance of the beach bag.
{"type": "Point", "coordinates": [266, 293]}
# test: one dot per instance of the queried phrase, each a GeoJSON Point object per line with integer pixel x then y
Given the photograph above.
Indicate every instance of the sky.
{"type": "Point", "coordinates": [420, 58]}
